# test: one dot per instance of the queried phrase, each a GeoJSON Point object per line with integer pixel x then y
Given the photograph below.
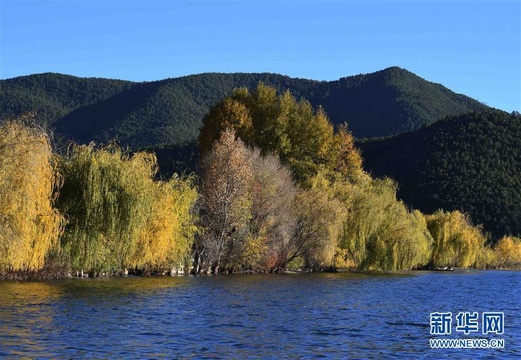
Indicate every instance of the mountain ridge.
{"type": "Point", "coordinates": [170, 111]}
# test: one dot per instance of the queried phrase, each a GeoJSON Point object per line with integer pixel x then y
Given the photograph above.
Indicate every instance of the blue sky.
{"type": "Point", "coordinates": [472, 47]}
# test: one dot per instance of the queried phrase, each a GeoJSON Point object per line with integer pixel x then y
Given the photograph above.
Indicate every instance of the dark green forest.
{"type": "Point", "coordinates": [170, 112]}
{"type": "Point", "coordinates": [470, 163]}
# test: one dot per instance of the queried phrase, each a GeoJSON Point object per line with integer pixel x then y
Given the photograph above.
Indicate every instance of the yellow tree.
{"type": "Point", "coordinates": [166, 239]}
{"type": "Point", "coordinates": [119, 216]}
{"type": "Point", "coordinates": [348, 158]}
{"type": "Point", "coordinates": [508, 252]}
{"type": "Point", "coordinates": [29, 224]}
{"type": "Point", "coordinates": [456, 241]}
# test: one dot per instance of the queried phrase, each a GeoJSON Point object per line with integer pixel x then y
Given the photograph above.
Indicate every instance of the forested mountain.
{"type": "Point", "coordinates": [469, 162]}
{"type": "Point", "coordinates": [170, 112]}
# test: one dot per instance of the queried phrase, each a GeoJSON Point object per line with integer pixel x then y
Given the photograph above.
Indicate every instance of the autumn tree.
{"type": "Point", "coordinates": [319, 222]}
{"type": "Point", "coordinates": [348, 160]}
{"type": "Point", "coordinates": [273, 216]}
{"type": "Point", "coordinates": [167, 238]}
{"type": "Point", "coordinates": [379, 232]}
{"type": "Point", "coordinates": [508, 252]}
{"type": "Point", "coordinates": [233, 112]}
{"type": "Point", "coordinates": [456, 241]}
{"type": "Point", "coordinates": [119, 216]}
{"type": "Point", "coordinates": [226, 201]}
{"type": "Point", "coordinates": [29, 223]}
{"type": "Point", "coordinates": [280, 124]}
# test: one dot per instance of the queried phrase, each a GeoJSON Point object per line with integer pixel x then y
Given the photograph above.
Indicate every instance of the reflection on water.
{"type": "Point", "coordinates": [266, 316]}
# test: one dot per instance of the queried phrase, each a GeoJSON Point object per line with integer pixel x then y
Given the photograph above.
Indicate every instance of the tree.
{"type": "Point", "coordinates": [233, 112]}
{"type": "Point", "coordinates": [319, 221]}
{"type": "Point", "coordinates": [29, 223]}
{"type": "Point", "coordinates": [273, 218]}
{"type": "Point", "coordinates": [226, 200]}
{"type": "Point", "coordinates": [167, 238]}
{"type": "Point", "coordinates": [379, 232]}
{"type": "Point", "coordinates": [456, 241]}
{"type": "Point", "coordinates": [348, 158]}
{"type": "Point", "coordinates": [302, 138]}
{"type": "Point", "coordinates": [508, 252]}
{"type": "Point", "coordinates": [119, 216]}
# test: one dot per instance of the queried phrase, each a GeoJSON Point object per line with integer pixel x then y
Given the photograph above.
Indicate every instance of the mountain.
{"type": "Point", "coordinates": [170, 111]}
{"type": "Point", "coordinates": [469, 162]}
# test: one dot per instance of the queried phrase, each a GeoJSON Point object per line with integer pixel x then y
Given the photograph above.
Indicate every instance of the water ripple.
{"type": "Point", "coordinates": [255, 316]}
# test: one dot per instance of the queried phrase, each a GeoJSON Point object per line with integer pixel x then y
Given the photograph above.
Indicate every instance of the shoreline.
{"type": "Point", "coordinates": [62, 273]}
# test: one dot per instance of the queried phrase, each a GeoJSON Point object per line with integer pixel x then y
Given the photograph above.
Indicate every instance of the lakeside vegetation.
{"type": "Point", "coordinates": [278, 188]}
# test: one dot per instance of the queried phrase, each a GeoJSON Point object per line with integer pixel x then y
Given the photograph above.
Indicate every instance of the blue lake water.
{"type": "Point", "coordinates": [255, 316]}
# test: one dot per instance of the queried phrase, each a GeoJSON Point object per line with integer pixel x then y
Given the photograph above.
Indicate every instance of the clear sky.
{"type": "Point", "coordinates": [472, 47]}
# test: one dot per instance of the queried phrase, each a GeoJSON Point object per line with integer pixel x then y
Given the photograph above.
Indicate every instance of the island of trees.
{"type": "Point", "coordinates": [278, 188]}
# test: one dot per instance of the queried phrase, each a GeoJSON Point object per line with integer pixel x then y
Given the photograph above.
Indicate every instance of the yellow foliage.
{"type": "Point", "coordinates": [29, 224]}
{"type": "Point", "coordinates": [508, 252]}
{"type": "Point", "coordinates": [456, 241]}
{"type": "Point", "coordinates": [119, 216]}
{"type": "Point", "coordinates": [348, 158]}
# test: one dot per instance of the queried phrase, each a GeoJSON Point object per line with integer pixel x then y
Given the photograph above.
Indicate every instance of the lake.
{"type": "Point", "coordinates": [255, 316]}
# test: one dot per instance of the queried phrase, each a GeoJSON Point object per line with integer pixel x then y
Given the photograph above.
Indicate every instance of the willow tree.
{"type": "Point", "coordinates": [318, 224]}
{"type": "Point", "coordinates": [29, 224]}
{"type": "Point", "coordinates": [106, 200]}
{"type": "Point", "coordinates": [118, 215]}
{"type": "Point", "coordinates": [456, 241]}
{"type": "Point", "coordinates": [508, 252]}
{"type": "Point", "coordinates": [166, 239]}
{"type": "Point", "coordinates": [379, 232]}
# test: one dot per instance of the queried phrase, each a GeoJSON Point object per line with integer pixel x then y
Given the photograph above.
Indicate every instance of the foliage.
{"type": "Point", "coordinates": [319, 221]}
{"type": "Point", "coordinates": [118, 216]}
{"type": "Point", "coordinates": [302, 138]}
{"type": "Point", "coordinates": [29, 223]}
{"type": "Point", "coordinates": [273, 216]}
{"type": "Point", "coordinates": [456, 241]}
{"type": "Point", "coordinates": [339, 215]}
{"type": "Point", "coordinates": [508, 252]}
{"type": "Point", "coordinates": [379, 232]}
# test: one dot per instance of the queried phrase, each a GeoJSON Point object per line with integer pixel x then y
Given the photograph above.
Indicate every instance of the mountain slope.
{"type": "Point", "coordinates": [469, 162]}
{"type": "Point", "coordinates": [54, 95]}
{"type": "Point", "coordinates": [170, 112]}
